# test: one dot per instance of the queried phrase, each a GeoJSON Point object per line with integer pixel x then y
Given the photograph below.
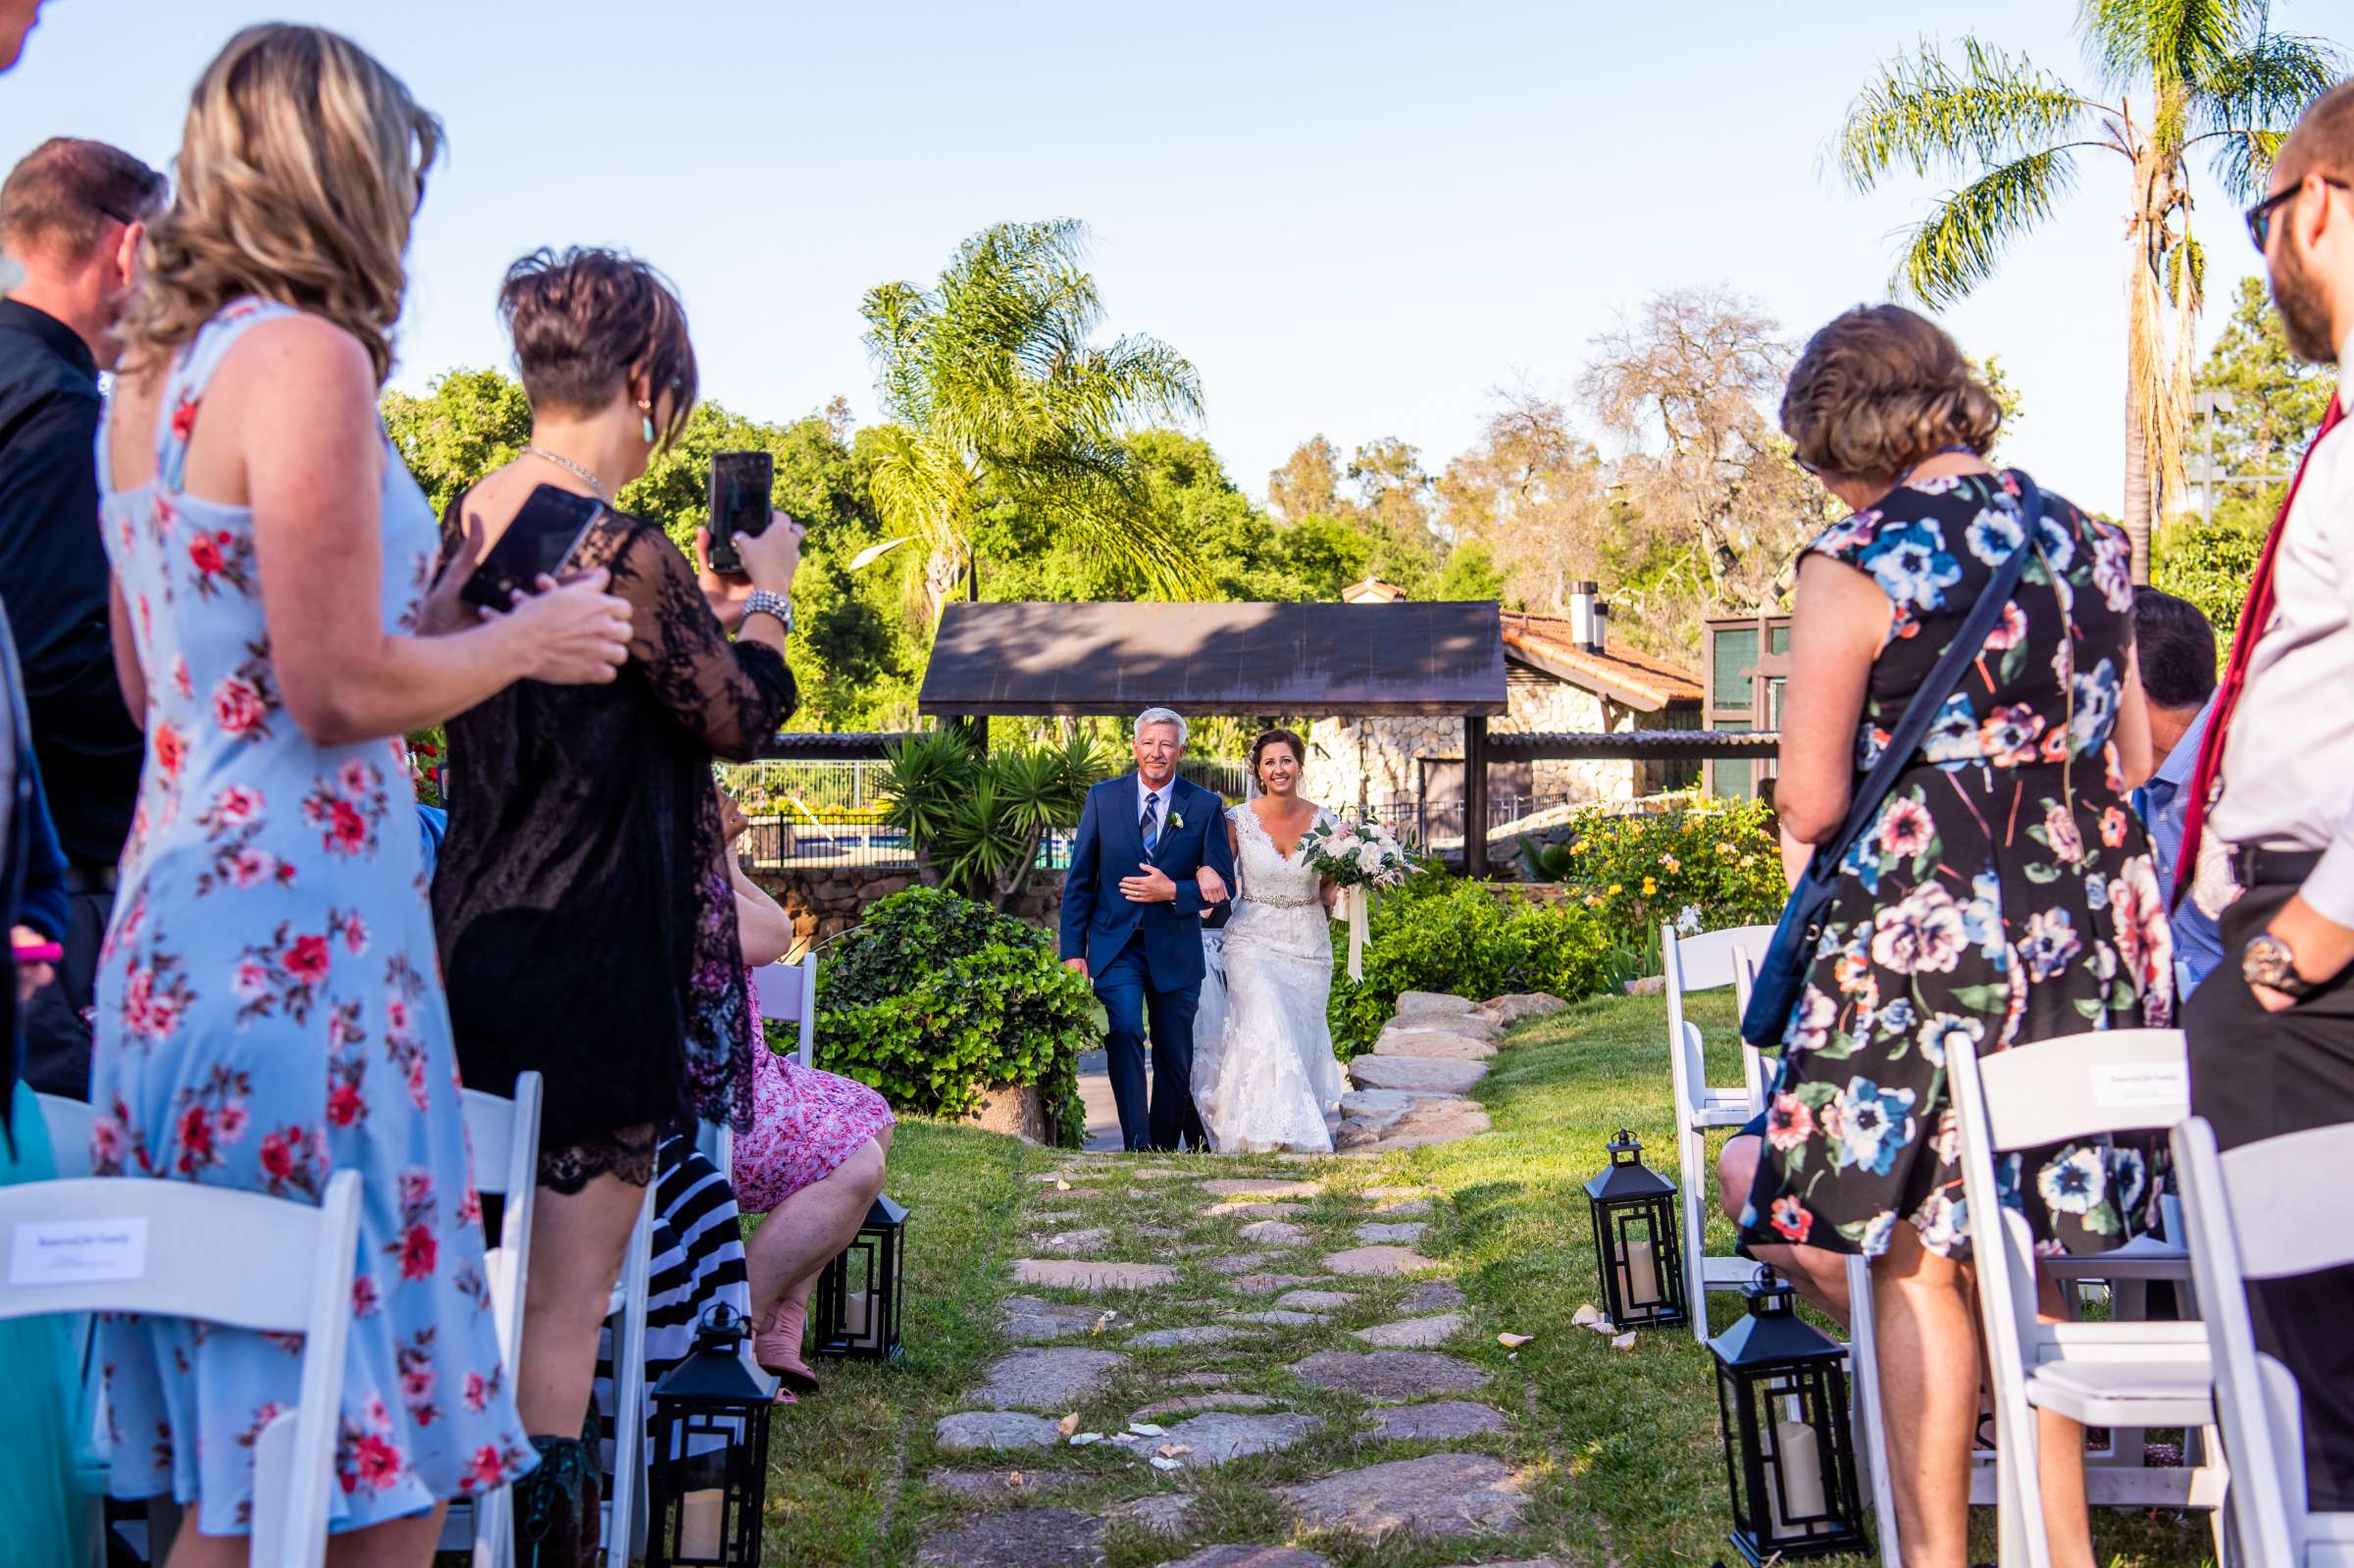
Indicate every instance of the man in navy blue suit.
{"type": "Point", "coordinates": [1132, 920]}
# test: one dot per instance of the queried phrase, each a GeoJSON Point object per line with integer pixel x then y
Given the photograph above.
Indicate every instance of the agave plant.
{"type": "Point", "coordinates": [976, 819]}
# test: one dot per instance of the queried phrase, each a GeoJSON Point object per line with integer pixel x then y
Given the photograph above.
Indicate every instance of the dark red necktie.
{"type": "Point", "coordinates": [2253, 617]}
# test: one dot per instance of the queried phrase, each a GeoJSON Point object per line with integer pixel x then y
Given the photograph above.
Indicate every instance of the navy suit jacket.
{"type": "Point", "coordinates": [1097, 922]}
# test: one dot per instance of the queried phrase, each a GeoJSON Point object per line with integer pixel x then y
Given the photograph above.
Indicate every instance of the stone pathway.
{"type": "Point", "coordinates": [1205, 1363]}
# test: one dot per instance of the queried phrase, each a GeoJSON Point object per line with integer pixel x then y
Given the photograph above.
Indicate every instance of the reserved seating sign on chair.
{"type": "Point", "coordinates": [1707, 961]}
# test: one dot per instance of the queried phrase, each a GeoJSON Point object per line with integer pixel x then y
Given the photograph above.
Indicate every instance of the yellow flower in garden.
{"type": "Point", "coordinates": [1650, 886]}
{"type": "Point", "coordinates": [1578, 848]}
{"type": "Point", "coordinates": [1615, 890]}
{"type": "Point", "coordinates": [1749, 860]}
{"type": "Point", "coordinates": [1723, 847]}
{"type": "Point", "coordinates": [1591, 901]}
{"type": "Point", "coordinates": [1672, 864]}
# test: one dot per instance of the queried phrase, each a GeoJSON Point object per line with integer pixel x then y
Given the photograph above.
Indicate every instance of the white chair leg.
{"type": "Point", "coordinates": [1692, 1149]}
{"type": "Point", "coordinates": [628, 1391]}
{"type": "Point", "coordinates": [1871, 1430]}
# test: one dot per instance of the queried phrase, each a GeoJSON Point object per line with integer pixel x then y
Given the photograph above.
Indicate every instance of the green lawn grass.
{"type": "Point", "coordinates": [1618, 1449]}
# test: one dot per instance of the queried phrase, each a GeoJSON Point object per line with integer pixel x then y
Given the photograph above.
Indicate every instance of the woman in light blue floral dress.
{"type": "Point", "coordinates": [269, 1006]}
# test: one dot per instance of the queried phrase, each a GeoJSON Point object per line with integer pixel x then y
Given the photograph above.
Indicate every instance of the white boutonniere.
{"type": "Point", "coordinates": [1177, 819]}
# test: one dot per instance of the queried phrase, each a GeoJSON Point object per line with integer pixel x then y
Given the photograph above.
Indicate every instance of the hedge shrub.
{"type": "Point", "coordinates": [1472, 938]}
{"type": "Point", "coordinates": [1706, 866]}
{"type": "Point", "coordinates": [935, 999]}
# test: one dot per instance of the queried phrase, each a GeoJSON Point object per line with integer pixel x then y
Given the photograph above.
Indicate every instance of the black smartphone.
{"type": "Point", "coordinates": [537, 544]}
{"type": "Point", "coordinates": [741, 483]}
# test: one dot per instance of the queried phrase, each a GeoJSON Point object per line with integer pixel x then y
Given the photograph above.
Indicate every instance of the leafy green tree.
{"type": "Point", "coordinates": [467, 424]}
{"type": "Point", "coordinates": [997, 394]}
{"type": "Point", "coordinates": [2276, 404]}
{"type": "Point", "coordinates": [1308, 484]}
{"type": "Point", "coordinates": [2178, 78]}
{"type": "Point", "coordinates": [1470, 572]}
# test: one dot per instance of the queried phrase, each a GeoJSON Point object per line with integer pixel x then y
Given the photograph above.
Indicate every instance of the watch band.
{"type": "Point", "coordinates": [761, 601]}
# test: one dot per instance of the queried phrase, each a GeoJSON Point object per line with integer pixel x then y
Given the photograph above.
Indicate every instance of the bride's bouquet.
{"type": "Point", "coordinates": [1357, 856]}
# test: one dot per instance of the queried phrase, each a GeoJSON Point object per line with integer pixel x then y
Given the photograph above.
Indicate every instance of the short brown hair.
{"type": "Point", "coordinates": [61, 195]}
{"type": "Point", "coordinates": [1880, 389]}
{"type": "Point", "coordinates": [584, 320]}
{"type": "Point", "coordinates": [1278, 737]}
{"type": "Point", "coordinates": [2323, 141]}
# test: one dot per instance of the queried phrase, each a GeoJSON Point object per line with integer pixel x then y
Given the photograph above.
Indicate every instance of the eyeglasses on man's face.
{"type": "Point", "coordinates": [2260, 216]}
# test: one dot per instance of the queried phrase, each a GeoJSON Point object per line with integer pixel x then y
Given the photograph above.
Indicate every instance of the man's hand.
{"type": "Point", "coordinates": [1152, 885]}
{"type": "Point", "coordinates": [2323, 947]}
{"type": "Point", "coordinates": [1077, 966]}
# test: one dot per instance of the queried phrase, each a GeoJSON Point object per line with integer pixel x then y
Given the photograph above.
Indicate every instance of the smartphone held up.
{"type": "Point", "coordinates": [741, 485]}
{"type": "Point", "coordinates": [538, 543]}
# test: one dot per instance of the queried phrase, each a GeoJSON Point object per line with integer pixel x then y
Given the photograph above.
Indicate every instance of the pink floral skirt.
{"type": "Point", "coordinates": [805, 1124]}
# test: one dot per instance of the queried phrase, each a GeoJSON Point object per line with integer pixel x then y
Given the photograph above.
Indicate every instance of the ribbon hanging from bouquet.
{"type": "Point", "coordinates": [1359, 916]}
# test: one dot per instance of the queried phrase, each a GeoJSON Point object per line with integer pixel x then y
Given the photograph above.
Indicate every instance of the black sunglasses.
{"type": "Point", "coordinates": [2260, 216]}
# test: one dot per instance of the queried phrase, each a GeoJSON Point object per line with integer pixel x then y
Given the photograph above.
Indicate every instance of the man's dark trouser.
{"type": "Point", "coordinates": [2256, 1075]}
{"type": "Point", "coordinates": [1126, 990]}
{"type": "Point", "coordinates": [57, 1032]}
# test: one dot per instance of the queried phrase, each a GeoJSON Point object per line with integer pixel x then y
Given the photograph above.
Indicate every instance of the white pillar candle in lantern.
{"type": "Point", "coordinates": [1799, 1459]}
{"type": "Point", "coordinates": [1638, 1276]}
{"type": "Point", "coordinates": [854, 1314]}
{"type": "Point", "coordinates": [703, 1515]}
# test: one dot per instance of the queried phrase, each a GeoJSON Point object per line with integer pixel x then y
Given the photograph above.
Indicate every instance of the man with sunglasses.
{"type": "Point", "coordinates": [2272, 800]}
{"type": "Point", "coordinates": [71, 216]}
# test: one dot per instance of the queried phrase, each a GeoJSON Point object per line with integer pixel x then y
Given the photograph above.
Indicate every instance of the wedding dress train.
{"type": "Point", "coordinates": [1264, 1075]}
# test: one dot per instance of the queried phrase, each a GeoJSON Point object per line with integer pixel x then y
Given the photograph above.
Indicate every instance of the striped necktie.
{"type": "Point", "coordinates": [1150, 824]}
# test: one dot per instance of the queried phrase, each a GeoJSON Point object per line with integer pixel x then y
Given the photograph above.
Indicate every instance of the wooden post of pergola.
{"type": "Point", "coordinates": [1312, 660]}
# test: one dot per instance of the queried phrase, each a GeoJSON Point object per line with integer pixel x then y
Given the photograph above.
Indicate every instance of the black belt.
{"type": "Point", "coordinates": [2252, 867]}
{"type": "Point", "coordinates": [94, 880]}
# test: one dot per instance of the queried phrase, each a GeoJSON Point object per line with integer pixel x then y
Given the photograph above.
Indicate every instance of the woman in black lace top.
{"type": "Point", "coordinates": [587, 928]}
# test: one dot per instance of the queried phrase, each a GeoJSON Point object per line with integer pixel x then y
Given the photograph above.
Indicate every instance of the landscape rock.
{"type": "Point", "coordinates": [1188, 1404]}
{"type": "Point", "coordinates": [1237, 1263]}
{"type": "Point", "coordinates": [1280, 1317]}
{"type": "Point", "coordinates": [1414, 1334]}
{"type": "Point", "coordinates": [1473, 1025]}
{"type": "Point", "coordinates": [1429, 1004]}
{"type": "Point", "coordinates": [1200, 1380]}
{"type": "Point", "coordinates": [1403, 1205]}
{"type": "Point", "coordinates": [1390, 1376]}
{"type": "Point", "coordinates": [1216, 1438]}
{"type": "Point", "coordinates": [1032, 1321]}
{"type": "Point", "coordinates": [1000, 1483]}
{"type": "Point", "coordinates": [1197, 1334]}
{"type": "Point", "coordinates": [1406, 1231]}
{"type": "Point", "coordinates": [995, 1429]}
{"type": "Point", "coordinates": [1509, 1010]}
{"type": "Point", "coordinates": [1274, 1232]}
{"type": "Point", "coordinates": [1444, 1121]}
{"type": "Point", "coordinates": [1432, 1042]}
{"type": "Point", "coordinates": [1270, 1283]}
{"type": "Point", "coordinates": [1350, 1137]}
{"type": "Point", "coordinates": [1253, 1209]}
{"type": "Point", "coordinates": [1377, 1260]}
{"type": "Point", "coordinates": [1090, 1241]}
{"type": "Point", "coordinates": [1162, 1512]}
{"type": "Point", "coordinates": [1437, 1494]}
{"type": "Point", "coordinates": [1442, 1074]}
{"type": "Point", "coordinates": [1018, 1537]}
{"type": "Point", "coordinates": [1252, 1557]}
{"type": "Point", "coordinates": [1648, 985]}
{"type": "Point", "coordinates": [1241, 1187]}
{"type": "Point", "coordinates": [1074, 1274]}
{"type": "Point", "coordinates": [1434, 1295]}
{"type": "Point", "coordinates": [1316, 1300]}
{"type": "Point", "coordinates": [1440, 1421]}
{"type": "Point", "coordinates": [1045, 1379]}
{"type": "Point", "coordinates": [1387, 1194]}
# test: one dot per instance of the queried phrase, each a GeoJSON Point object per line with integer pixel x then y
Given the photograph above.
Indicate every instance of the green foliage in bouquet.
{"type": "Point", "coordinates": [1444, 934]}
{"type": "Point", "coordinates": [976, 819]}
{"type": "Point", "coordinates": [934, 1000]}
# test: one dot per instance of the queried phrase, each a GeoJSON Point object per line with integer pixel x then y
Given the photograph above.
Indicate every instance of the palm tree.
{"type": "Point", "coordinates": [2180, 74]}
{"type": "Point", "coordinates": [999, 401]}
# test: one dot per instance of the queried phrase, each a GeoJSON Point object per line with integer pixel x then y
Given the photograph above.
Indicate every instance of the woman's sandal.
{"type": "Point", "coordinates": [777, 1349]}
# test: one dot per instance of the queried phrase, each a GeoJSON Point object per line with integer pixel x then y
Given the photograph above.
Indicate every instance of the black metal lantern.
{"type": "Point", "coordinates": [1781, 1388]}
{"type": "Point", "coordinates": [1637, 1240]}
{"type": "Point", "coordinates": [857, 1316]}
{"type": "Point", "coordinates": [707, 1467]}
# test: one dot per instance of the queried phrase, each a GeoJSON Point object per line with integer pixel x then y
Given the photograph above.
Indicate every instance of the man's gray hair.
{"type": "Point", "coordinates": [1161, 716]}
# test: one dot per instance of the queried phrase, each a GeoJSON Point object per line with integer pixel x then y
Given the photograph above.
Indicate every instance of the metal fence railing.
{"type": "Point", "coordinates": [1435, 826]}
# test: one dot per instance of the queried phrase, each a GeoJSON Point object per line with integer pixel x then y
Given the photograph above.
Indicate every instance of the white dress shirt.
{"type": "Point", "coordinates": [2288, 759]}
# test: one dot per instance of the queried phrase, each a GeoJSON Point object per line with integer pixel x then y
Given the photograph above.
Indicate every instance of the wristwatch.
{"type": "Point", "coordinates": [760, 601]}
{"type": "Point", "coordinates": [2266, 960]}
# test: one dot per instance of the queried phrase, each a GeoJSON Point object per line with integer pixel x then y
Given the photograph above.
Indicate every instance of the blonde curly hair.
{"type": "Point", "coordinates": [301, 167]}
{"type": "Point", "coordinates": [1879, 388]}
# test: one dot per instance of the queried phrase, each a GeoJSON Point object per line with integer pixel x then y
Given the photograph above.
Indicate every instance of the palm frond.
{"type": "Point", "coordinates": [1959, 245]}
{"type": "Point", "coordinates": [1926, 114]}
{"type": "Point", "coordinates": [2248, 101]}
{"type": "Point", "coordinates": [2157, 42]}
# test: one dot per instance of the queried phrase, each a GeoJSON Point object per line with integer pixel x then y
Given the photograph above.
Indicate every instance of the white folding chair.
{"type": "Point", "coordinates": [2259, 1213]}
{"type": "Point", "coordinates": [2131, 1375]}
{"type": "Point", "coordinates": [625, 1500]}
{"type": "Point", "coordinates": [1706, 962]}
{"type": "Point", "coordinates": [788, 995]}
{"type": "Point", "coordinates": [502, 1137]}
{"type": "Point", "coordinates": [216, 1255]}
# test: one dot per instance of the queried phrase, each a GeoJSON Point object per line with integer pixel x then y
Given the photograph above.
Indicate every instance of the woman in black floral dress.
{"type": "Point", "coordinates": [2003, 892]}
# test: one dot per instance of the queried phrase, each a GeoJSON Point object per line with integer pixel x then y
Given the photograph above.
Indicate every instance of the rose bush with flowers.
{"type": "Point", "coordinates": [1702, 867]}
{"type": "Point", "coordinates": [428, 754]}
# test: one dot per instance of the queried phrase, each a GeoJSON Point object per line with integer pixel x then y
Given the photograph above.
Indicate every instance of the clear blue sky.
{"type": "Point", "coordinates": [1355, 219]}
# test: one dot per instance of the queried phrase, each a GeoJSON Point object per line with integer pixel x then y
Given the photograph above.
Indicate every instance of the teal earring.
{"type": "Point", "coordinates": [645, 422]}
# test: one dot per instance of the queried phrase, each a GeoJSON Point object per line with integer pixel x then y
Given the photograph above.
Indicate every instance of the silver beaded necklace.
{"type": "Point", "coordinates": [570, 466]}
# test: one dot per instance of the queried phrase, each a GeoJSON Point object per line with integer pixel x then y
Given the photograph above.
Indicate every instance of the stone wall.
{"type": "Point", "coordinates": [826, 902]}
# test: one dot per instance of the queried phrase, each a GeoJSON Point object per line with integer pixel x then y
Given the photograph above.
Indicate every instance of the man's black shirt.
{"type": "Point", "coordinates": [53, 581]}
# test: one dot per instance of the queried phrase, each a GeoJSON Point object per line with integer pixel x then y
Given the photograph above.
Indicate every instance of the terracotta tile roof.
{"type": "Point", "coordinates": [1546, 641]}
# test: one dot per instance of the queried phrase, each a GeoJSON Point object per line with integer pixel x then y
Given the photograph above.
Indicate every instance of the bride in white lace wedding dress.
{"type": "Point", "coordinates": [1264, 1076]}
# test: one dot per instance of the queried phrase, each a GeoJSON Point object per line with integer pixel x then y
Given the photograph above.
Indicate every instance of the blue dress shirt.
{"type": "Point", "coordinates": [2162, 803]}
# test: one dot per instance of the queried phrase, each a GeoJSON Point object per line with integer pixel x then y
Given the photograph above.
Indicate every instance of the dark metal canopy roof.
{"type": "Point", "coordinates": [1317, 660]}
{"type": "Point", "coordinates": [1647, 745]}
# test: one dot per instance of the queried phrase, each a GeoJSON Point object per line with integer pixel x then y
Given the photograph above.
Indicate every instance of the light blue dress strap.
{"type": "Point", "coordinates": [192, 372]}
